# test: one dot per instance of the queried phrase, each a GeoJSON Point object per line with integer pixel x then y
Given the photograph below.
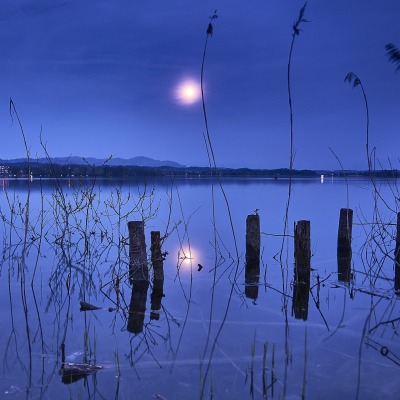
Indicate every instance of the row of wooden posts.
{"type": "Point", "coordinates": [302, 257]}
{"type": "Point", "coordinates": [139, 276]}
{"type": "Point", "coordinates": [302, 244]}
{"type": "Point", "coordinates": [139, 272]}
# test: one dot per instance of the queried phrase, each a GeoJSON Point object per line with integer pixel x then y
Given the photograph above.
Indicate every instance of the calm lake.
{"type": "Point", "coordinates": [209, 330]}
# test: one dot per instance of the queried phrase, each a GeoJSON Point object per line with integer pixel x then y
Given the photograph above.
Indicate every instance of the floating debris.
{"type": "Point", "coordinates": [71, 372]}
{"type": "Point", "coordinates": [88, 307]}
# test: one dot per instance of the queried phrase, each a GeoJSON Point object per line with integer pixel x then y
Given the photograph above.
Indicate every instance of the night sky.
{"type": "Point", "coordinates": [101, 78]}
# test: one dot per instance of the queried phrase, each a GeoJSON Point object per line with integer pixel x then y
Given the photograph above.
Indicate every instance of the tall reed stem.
{"type": "Point", "coordinates": [296, 32]}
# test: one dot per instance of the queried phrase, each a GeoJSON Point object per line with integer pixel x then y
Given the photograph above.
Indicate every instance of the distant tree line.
{"type": "Point", "coordinates": [49, 170]}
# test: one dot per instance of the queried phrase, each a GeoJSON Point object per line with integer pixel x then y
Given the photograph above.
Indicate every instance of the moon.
{"type": "Point", "coordinates": [188, 92]}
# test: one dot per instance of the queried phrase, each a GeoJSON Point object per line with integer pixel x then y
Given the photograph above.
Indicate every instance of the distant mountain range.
{"type": "Point", "coordinates": [139, 161]}
{"type": "Point", "coordinates": [75, 166]}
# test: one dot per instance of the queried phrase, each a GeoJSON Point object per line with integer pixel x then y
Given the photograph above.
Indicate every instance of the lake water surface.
{"type": "Point", "coordinates": [208, 330]}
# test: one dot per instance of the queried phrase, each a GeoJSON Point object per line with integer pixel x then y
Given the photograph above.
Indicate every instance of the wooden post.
{"type": "Point", "coordinates": [253, 239]}
{"type": "Point", "coordinates": [138, 268]}
{"type": "Point", "coordinates": [397, 257]}
{"type": "Point", "coordinates": [252, 270]}
{"type": "Point", "coordinates": [156, 256]}
{"type": "Point", "coordinates": [302, 268]}
{"type": "Point", "coordinates": [344, 251]}
{"type": "Point", "coordinates": [345, 232]}
{"type": "Point", "coordinates": [302, 245]}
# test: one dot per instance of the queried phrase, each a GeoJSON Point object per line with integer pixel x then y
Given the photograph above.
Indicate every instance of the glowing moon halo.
{"type": "Point", "coordinates": [188, 92]}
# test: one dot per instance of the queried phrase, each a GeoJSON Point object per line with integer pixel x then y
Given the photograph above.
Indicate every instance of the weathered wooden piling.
{"type": "Point", "coordinates": [397, 257]}
{"type": "Point", "coordinates": [345, 232]}
{"type": "Point", "coordinates": [137, 307]}
{"type": "Point", "coordinates": [156, 256]}
{"type": "Point", "coordinates": [302, 245]}
{"type": "Point", "coordinates": [252, 270]}
{"type": "Point", "coordinates": [344, 251]}
{"type": "Point", "coordinates": [138, 268]}
{"type": "Point", "coordinates": [253, 237]}
{"type": "Point", "coordinates": [302, 268]}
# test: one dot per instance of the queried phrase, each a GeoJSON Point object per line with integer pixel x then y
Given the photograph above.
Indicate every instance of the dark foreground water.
{"type": "Point", "coordinates": [208, 333]}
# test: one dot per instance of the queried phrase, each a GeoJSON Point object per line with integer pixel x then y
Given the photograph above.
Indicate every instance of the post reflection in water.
{"type": "Point", "coordinates": [252, 278]}
{"type": "Point", "coordinates": [137, 307]}
{"type": "Point", "coordinates": [301, 293]}
{"type": "Point", "coordinates": [156, 298]}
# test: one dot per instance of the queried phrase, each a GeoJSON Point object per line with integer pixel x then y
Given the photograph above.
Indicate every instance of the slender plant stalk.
{"type": "Point", "coordinates": [212, 161]}
{"type": "Point", "coordinates": [351, 77]}
{"type": "Point", "coordinates": [345, 177]}
{"type": "Point", "coordinates": [303, 392]}
{"type": "Point", "coordinates": [22, 267]}
{"type": "Point", "coordinates": [13, 110]}
{"type": "Point", "coordinates": [273, 369]}
{"type": "Point", "coordinates": [209, 33]}
{"type": "Point", "coordinates": [264, 368]}
{"type": "Point", "coordinates": [296, 32]}
{"type": "Point", "coordinates": [253, 352]}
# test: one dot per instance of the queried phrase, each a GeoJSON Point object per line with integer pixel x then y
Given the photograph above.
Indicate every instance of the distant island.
{"type": "Point", "coordinates": [80, 167]}
{"type": "Point", "coordinates": [139, 161]}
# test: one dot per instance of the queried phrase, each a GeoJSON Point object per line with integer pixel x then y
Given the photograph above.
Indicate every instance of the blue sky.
{"type": "Point", "coordinates": [99, 78]}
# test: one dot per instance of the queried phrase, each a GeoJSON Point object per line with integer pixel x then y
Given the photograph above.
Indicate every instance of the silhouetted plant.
{"type": "Point", "coordinates": [376, 248]}
{"type": "Point", "coordinates": [351, 77]}
{"type": "Point", "coordinates": [210, 28]}
{"type": "Point", "coordinates": [300, 19]}
{"type": "Point", "coordinates": [393, 54]}
{"type": "Point", "coordinates": [214, 173]}
{"type": "Point", "coordinates": [13, 111]}
{"type": "Point", "coordinates": [296, 32]}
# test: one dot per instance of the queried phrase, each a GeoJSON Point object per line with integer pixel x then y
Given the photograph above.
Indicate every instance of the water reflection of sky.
{"type": "Point", "coordinates": [187, 257]}
{"type": "Point", "coordinates": [201, 304]}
